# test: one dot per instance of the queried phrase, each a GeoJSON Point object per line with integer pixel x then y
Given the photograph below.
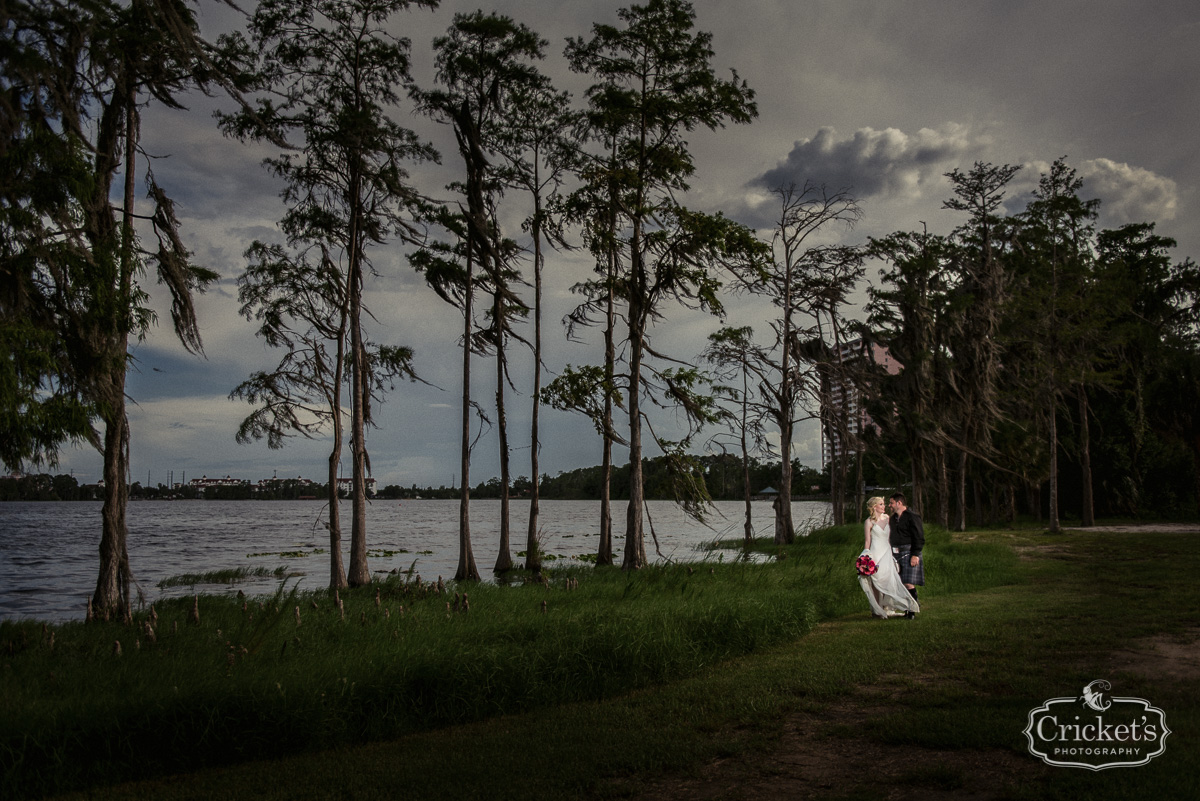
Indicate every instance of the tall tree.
{"type": "Point", "coordinates": [807, 284]}
{"type": "Point", "coordinates": [41, 406]}
{"type": "Point", "coordinates": [301, 307]}
{"type": "Point", "coordinates": [980, 289]}
{"type": "Point", "coordinates": [906, 314]}
{"type": "Point", "coordinates": [540, 150]}
{"type": "Point", "coordinates": [733, 350]}
{"type": "Point", "coordinates": [481, 61]}
{"type": "Point", "coordinates": [77, 77]}
{"type": "Point", "coordinates": [328, 72]}
{"type": "Point", "coordinates": [1055, 254]}
{"type": "Point", "coordinates": [595, 206]}
{"type": "Point", "coordinates": [655, 81]}
{"type": "Point", "coordinates": [449, 268]}
{"type": "Point", "coordinates": [1153, 326]}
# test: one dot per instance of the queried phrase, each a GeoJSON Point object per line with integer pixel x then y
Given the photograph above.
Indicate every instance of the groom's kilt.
{"type": "Point", "coordinates": [908, 573]}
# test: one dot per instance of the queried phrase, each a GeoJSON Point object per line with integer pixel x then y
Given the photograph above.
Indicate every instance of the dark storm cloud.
{"type": "Point", "coordinates": [868, 88]}
{"type": "Point", "coordinates": [870, 162]}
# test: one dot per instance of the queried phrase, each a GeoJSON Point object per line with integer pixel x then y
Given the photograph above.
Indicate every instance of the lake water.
{"type": "Point", "coordinates": [49, 551]}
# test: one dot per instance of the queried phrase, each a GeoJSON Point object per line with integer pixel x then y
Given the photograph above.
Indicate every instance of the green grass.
{"type": "Point", "coordinates": [625, 678]}
{"type": "Point", "coordinates": [226, 576]}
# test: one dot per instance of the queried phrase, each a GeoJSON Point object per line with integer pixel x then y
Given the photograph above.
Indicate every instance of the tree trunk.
{"type": "Point", "coordinates": [535, 444]}
{"type": "Point", "coordinates": [977, 492]}
{"type": "Point", "coordinates": [785, 530]}
{"type": "Point", "coordinates": [467, 571]}
{"type": "Point", "coordinates": [943, 488]}
{"type": "Point", "coordinates": [1054, 526]}
{"type": "Point", "coordinates": [604, 552]}
{"type": "Point", "coordinates": [635, 542]}
{"type": "Point", "coordinates": [916, 453]}
{"type": "Point", "coordinates": [1085, 460]}
{"type": "Point", "coordinates": [838, 481]}
{"type": "Point", "coordinates": [112, 584]}
{"type": "Point", "coordinates": [504, 561]}
{"type": "Point", "coordinates": [337, 573]}
{"type": "Point", "coordinates": [859, 500]}
{"type": "Point", "coordinates": [357, 573]}
{"type": "Point", "coordinates": [749, 525]}
{"type": "Point", "coordinates": [1196, 469]}
{"type": "Point", "coordinates": [961, 521]}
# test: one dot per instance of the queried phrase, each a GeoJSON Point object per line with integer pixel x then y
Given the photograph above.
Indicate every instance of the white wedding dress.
{"type": "Point", "coordinates": [885, 591]}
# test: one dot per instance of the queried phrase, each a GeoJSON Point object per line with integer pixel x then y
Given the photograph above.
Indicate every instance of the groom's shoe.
{"type": "Point", "coordinates": [910, 615]}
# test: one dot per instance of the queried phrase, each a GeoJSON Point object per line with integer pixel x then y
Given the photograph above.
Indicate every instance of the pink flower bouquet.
{"type": "Point", "coordinates": [866, 565]}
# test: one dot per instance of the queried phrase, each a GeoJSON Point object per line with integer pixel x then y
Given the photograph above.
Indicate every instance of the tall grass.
{"type": "Point", "coordinates": [225, 576]}
{"type": "Point", "coordinates": [398, 656]}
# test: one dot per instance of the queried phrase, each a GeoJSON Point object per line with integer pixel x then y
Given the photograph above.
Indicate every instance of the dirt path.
{"type": "Point", "coordinates": [820, 756]}
{"type": "Point", "coordinates": [826, 754]}
{"type": "Point", "coordinates": [1171, 528]}
{"type": "Point", "coordinates": [816, 759]}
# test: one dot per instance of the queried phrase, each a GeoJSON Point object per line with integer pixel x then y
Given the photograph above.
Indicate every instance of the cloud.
{"type": "Point", "coordinates": [1128, 193]}
{"type": "Point", "coordinates": [874, 162]}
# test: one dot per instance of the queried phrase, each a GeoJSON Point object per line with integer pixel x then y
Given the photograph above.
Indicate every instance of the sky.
{"type": "Point", "coordinates": [878, 98]}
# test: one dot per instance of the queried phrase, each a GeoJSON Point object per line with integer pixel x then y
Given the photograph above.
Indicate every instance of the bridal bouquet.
{"type": "Point", "coordinates": [866, 565]}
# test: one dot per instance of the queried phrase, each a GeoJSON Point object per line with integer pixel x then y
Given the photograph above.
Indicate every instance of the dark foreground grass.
{"type": "Point", "coordinates": [677, 635]}
{"type": "Point", "coordinates": [947, 694]}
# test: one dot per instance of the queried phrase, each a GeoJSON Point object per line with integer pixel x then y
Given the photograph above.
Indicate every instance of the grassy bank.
{"type": "Point", "coordinates": [85, 705]}
{"type": "Point", "coordinates": [932, 709]}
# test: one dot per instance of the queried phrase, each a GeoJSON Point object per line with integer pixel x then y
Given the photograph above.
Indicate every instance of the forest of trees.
{"type": "Point", "coordinates": [1038, 351]}
{"type": "Point", "coordinates": [1049, 367]}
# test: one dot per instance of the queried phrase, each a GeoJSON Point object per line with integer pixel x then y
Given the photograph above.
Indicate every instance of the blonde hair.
{"type": "Point", "coordinates": [871, 505]}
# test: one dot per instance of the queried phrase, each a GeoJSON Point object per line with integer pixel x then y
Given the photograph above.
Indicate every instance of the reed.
{"type": "Point", "coordinates": [225, 576]}
{"type": "Point", "coordinates": [296, 672]}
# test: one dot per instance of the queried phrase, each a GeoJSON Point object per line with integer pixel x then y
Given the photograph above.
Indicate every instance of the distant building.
{"type": "Point", "coordinates": [271, 484]}
{"type": "Point", "coordinates": [268, 485]}
{"type": "Point", "coordinates": [204, 482]}
{"type": "Point", "coordinates": [845, 401]}
{"type": "Point", "coordinates": [346, 485]}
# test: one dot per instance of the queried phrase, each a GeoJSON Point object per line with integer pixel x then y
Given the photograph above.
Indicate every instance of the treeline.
{"type": "Point", "coordinates": [1049, 367]}
{"type": "Point", "coordinates": [720, 474]}
{"type": "Point", "coordinates": [64, 487]}
{"type": "Point", "coordinates": [45, 487]}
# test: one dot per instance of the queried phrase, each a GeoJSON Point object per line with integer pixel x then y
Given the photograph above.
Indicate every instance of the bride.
{"type": "Point", "coordinates": [885, 591]}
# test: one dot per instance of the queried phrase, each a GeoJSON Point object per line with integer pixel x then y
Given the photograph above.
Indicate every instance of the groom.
{"type": "Point", "coordinates": [908, 540]}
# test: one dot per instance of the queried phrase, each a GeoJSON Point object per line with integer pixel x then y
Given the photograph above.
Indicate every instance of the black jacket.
{"type": "Point", "coordinates": [908, 533]}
